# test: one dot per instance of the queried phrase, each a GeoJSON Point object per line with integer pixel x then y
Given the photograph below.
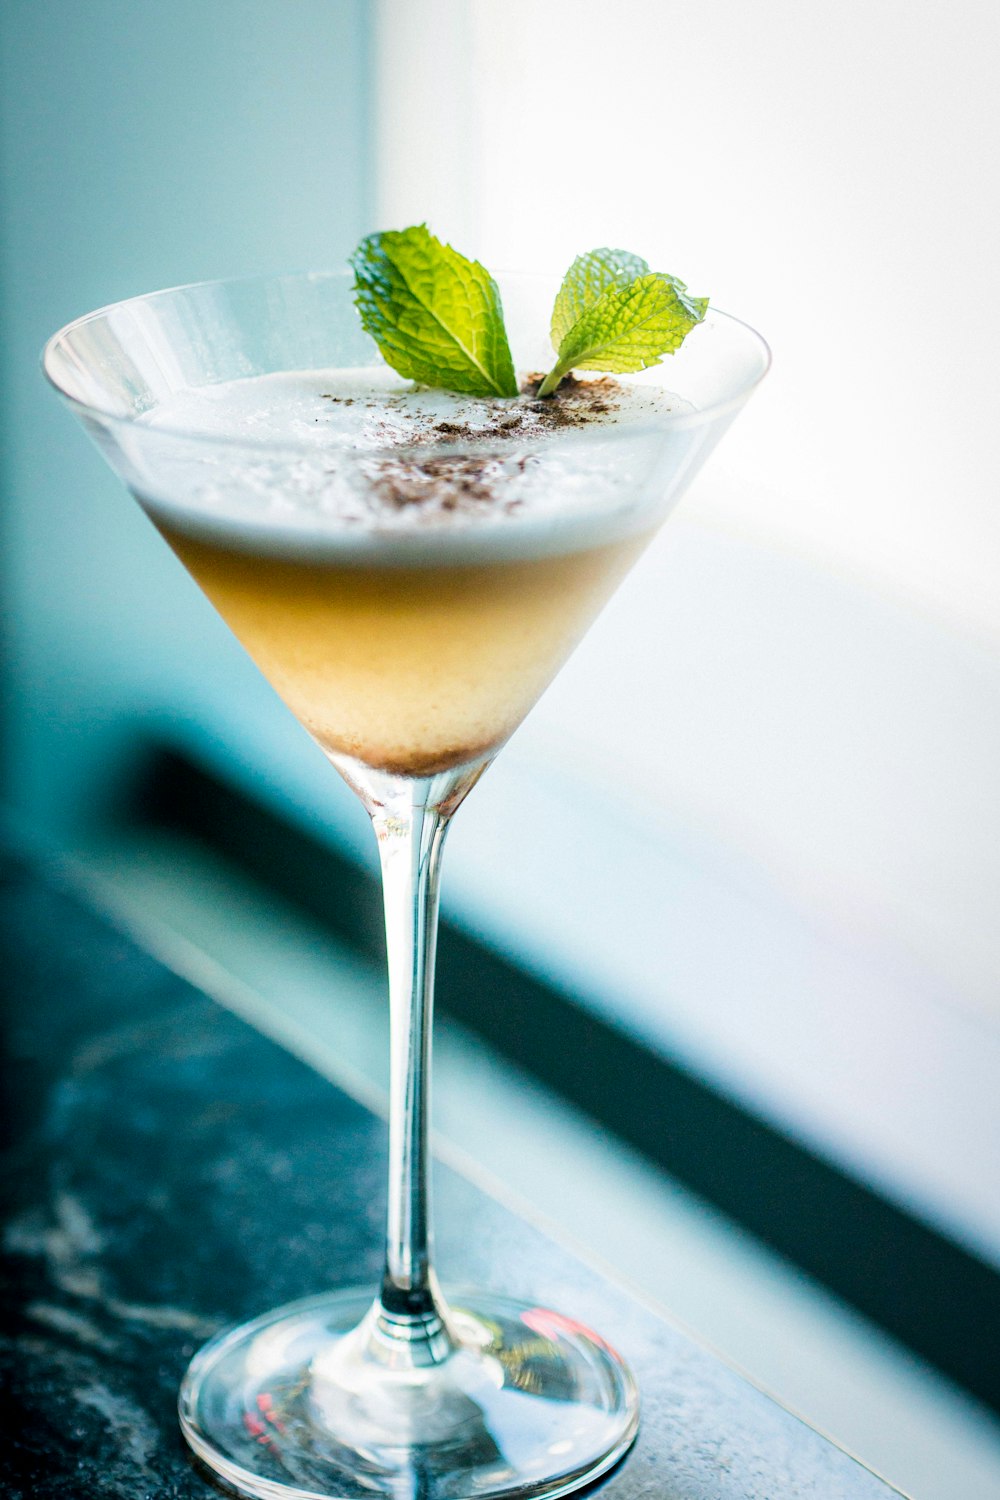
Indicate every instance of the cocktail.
{"type": "Point", "coordinates": [409, 568]}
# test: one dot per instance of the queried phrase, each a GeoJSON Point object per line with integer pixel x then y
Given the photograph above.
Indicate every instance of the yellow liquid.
{"type": "Point", "coordinates": [408, 668]}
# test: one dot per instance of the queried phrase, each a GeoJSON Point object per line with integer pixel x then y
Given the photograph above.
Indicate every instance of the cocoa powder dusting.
{"type": "Point", "coordinates": [441, 484]}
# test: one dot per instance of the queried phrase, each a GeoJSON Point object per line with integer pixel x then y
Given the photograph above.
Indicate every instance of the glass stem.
{"type": "Point", "coordinates": [410, 816]}
{"type": "Point", "coordinates": [411, 839]}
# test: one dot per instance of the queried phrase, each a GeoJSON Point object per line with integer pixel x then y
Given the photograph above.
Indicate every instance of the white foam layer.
{"type": "Point", "coordinates": [354, 461]}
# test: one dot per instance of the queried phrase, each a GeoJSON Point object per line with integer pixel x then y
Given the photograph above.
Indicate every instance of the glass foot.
{"type": "Point", "coordinates": [331, 1397]}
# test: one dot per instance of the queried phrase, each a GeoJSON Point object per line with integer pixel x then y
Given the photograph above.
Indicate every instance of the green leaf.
{"type": "Point", "coordinates": [584, 282]}
{"type": "Point", "coordinates": [435, 315]}
{"type": "Point", "coordinates": [628, 326]}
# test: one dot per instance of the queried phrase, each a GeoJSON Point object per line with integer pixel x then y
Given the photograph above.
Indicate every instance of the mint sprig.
{"type": "Point", "coordinates": [586, 280]}
{"type": "Point", "coordinates": [613, 313]}
{"type": "Point", "coordinates": [436, 316]}
{"type": "Point", "coordinates": [438, 320]}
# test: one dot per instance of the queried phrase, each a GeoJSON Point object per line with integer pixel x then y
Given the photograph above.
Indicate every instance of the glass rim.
{"type": "Point", "coordinates": [604, 432]}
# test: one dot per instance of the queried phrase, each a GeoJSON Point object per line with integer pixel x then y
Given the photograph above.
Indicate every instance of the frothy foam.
{"type": "Point", "coordinates": [339, 460]}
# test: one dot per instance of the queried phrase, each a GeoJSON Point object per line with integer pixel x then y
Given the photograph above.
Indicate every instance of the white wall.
{"type": "Point", "coordinates": [799, 687]}
{"type": "Point", "coordinates": [828, 173]}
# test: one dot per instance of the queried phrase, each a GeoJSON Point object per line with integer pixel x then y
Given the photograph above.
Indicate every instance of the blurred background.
{"type": "Point", "coordinates": [750, 840]}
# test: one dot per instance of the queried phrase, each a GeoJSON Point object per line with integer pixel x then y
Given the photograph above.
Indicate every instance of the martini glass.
{"type": "Point", "coordinates": [410, 653]}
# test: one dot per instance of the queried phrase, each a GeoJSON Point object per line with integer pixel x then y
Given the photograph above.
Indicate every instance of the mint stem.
{"type": "Point", "coordinates": [551, 380]}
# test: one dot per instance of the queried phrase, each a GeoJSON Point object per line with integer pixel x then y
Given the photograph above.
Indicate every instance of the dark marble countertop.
{"type": "Point", "coordinates": [168, 1170]}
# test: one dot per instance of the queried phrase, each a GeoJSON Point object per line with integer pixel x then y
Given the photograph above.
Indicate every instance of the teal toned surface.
{"type": "Point", "coordinates": [142, 146]}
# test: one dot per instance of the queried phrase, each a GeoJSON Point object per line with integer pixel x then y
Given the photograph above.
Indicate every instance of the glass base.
{"type": "Point", "coordinates": [327, 1398]}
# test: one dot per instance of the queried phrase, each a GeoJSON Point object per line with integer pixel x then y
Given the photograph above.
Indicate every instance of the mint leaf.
{"type": "Point", "coordinates": [627, 326]}
{"type": "Point", "coordinates": [435, 315]}
{"type": "Point", "coordinates": [586, 279]}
